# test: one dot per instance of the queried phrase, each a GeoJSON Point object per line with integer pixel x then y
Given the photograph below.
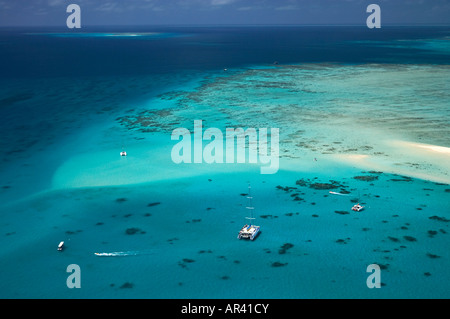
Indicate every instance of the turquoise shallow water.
{"type": "Point", "coordinates": [358, 129]}
{"type": "Point", "coordinates": [186, 239]}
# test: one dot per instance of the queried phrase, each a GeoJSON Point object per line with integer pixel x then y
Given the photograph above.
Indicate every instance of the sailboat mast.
{"type": "Point", "coordinates": [250, 207]}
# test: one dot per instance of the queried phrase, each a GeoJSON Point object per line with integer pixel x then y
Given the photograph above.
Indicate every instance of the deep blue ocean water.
{"type": "Point", "coordinates": [63, 100]}
{"type": "Point", "coordinates": [64, 53]}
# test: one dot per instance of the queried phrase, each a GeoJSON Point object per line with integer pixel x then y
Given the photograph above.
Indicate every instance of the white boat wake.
{"type": "Point", "coordinates": [118, 254]}
{"type": "Point", "coordinates": [334, 193]}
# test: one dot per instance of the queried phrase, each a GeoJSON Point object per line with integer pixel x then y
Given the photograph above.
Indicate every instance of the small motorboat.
{"type": "Point", "coordinates": [60, 246]}
{"type": "Point", "coordinates": [102, 254]}
{"type": "Point", "coordinates": [123, 153]}
{"type": "Point", "coordinates": [357, 208]}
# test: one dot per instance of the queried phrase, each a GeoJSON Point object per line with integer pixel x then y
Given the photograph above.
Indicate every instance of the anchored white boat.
{"type": "Point", "coordinates": [123, 153]}
{"type": "Point", "coordinates": [60, 246]}
{"type": "Point", "coordinates": [249, 231]}
{"type": "Point", "coordinates": [357, 207]}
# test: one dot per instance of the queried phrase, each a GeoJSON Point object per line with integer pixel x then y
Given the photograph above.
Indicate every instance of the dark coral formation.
{"type": "Point", "coordinates": [394, 239]}
{"type": "Point", "coordinates": [283, 249]}
{"type": "Point", "coordinates": [183, 263]}
{"type": "Point", "coordinates": [70, 232]}
{"type": "Point", "coordinates": [366, 178]}
{"type": "Point", "coordinates": [194, 221]}
{"type": "Point", "coordinates": [205, 251]}
{"type": "Point", "coordinates": [278, 264]}
{"type": "Point", "coordinates": [148, 121]}
{"type": "Point", "coordinates": [285, 188]}
{"type": "Point", "coordinates": [402, 179]}
{"type": "Point", "coordinates": [268, 216]}
{"type": "Point", "coordinates": [410, 238]}
{"type": "Point", "coordinates": [323, 186]}
{"type": "Point", "coordinates": [153, 204]}
{"type": "Point", "coordinates": [432, 233]}
{"type": "Point", "coordinates": [343, 241]}
{"type": "Point", "coordinates": [187, 260]}
{"type": "Point", "coordinates": [171, 240]}
{"type": "Point", "coordinates": [383, 267]}
{"type": "Point", "coordinates": [319, 186]}
{"type": "Point", "coordinates": [127, 285]}
{"type": "Point", "coordinates": [441, 219]}
{"type": "Point", "coordinates": [134, 230]}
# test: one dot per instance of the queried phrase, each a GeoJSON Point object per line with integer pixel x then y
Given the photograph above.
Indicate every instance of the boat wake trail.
{"type": "Point", "coordinates": [334, 193]}
{"type": "Point", "coordinates": [121, 254]}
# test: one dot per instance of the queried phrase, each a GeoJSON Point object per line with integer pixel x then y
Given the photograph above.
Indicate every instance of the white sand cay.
{"type": "Point", "coordinates": [108, 168]}
{"type": "Point", "coordinates": [143, 164]}
{"type": "Point", "coordinates": [424, 161]}
{"type": "Point", "coordinates": [432, 148]}
{"type": "Point", "coordinates": [153, 163]}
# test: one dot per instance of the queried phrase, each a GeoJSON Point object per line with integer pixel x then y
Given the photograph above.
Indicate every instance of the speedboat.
{"type": "Point", "coordinates": [60, 246]}
{"type": "Point", "coordinates": [123, 153]}
{"type": "Point", "coordinates": [102, 254]}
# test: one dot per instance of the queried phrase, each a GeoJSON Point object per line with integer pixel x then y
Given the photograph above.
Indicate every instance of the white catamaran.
{"type": "Point", "coordinates": [249, 231]}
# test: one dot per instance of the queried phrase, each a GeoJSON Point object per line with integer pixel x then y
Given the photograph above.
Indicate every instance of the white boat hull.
{"type": "Point", "coordinates": [249, 232]}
